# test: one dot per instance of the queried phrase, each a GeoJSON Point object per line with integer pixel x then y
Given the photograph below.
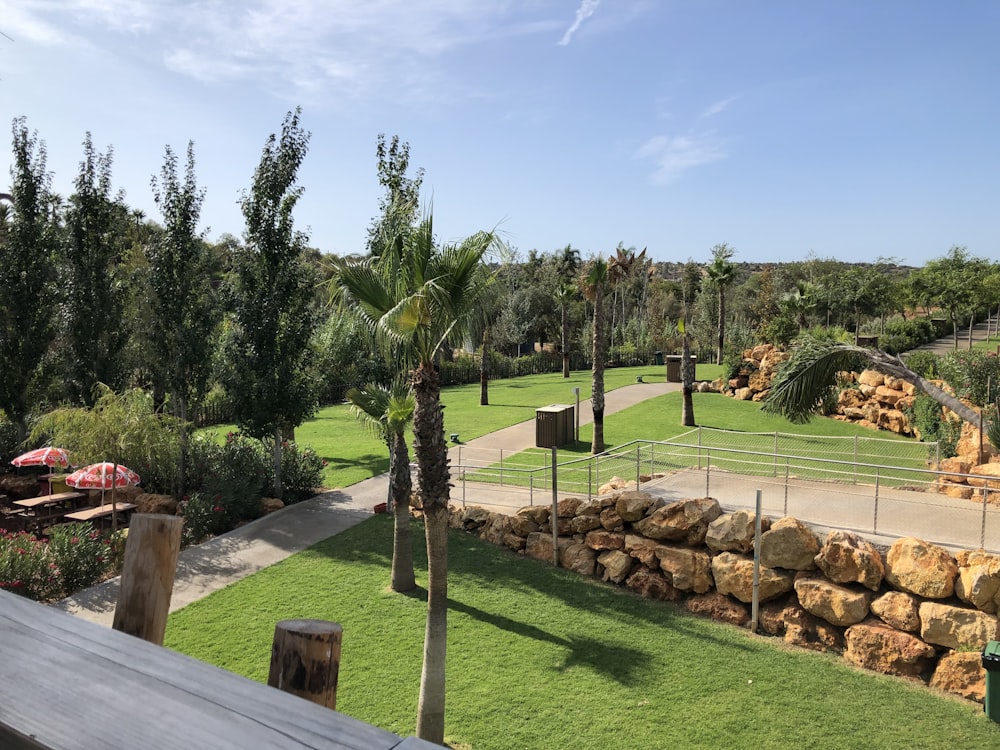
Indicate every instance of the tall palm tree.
{"type": "Point", "coordinates": [722, 273]}
{"type": "Point", "coordinates": [813, 368]}
{"type": "Point", "coordinates": [564, 295]}
{"type": "Point", "coordinates": [387, 411]}
{"type": "Point", "coordinates": [418, 296]}
{"type": "Point", "coordinates": [595, 284]}
{"type": "Point", "coordinates": [690, 287]}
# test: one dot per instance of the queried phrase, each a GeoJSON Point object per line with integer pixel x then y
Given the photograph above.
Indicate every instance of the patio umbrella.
{"type": "Point", "coordinates": [103, 476]}
{"type": "Point", "coordinates": [49, 456]}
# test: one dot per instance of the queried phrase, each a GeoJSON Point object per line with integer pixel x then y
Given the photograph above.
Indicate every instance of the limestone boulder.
{"type": "Point", "coordinates": [978, 581]}
{"type": "Point", "coordinates": [522, 525]}
{"type": "Point", "coordinates": [871, 378]}
{"type": "Point", "coordinates": [566, 508]}
{"type": "Point", "coordinates": [617, 565]}
{"type": "Point", "coordinates": [590, 508]}
{"type": "Point", "coordinates": [536, 513]}
{"type": "Point", "coordinates": [539, 546]}
{"type": "Point", "coordinates": [837, 604]}
{"type": "Point", "coordinates": [771, 615]}
{"type": "Point", "coordinates": [888, 396]}
{"type": "Point", "coordinates": [514, 541]}
{"type": "Point", "coordinates": [149, 502]}
{"type": "Point", "coordinates": [984, 474]}
{"type": "Point", "coordinates": [743, 394]}
{"type": "Point", "coordinates": [955, 469]}
{"type": "Point", "coordinates": [474, 517]}
{"type": "Point", "coordinates": [610, 520]}
{"type": "Point", "coordinates": [898, 610]}
{"type": "Point", "coordinates": [162, 505]}
{"type": "Point", "coordinates": [19, 487]}
{"type": "Point", "coordinates": [961, 673]}
{"type": "Point", "coordinates": [957, 627]}
{"type": "Point", "coordinates": [851, 398]}
{"type": "Point", "coordinates": [577, 557]}
{"type": "Point", "coordinates": [921, 568]}
{"type": "Point", "coordinates": [874, 645]}
{"type": "Point", "coordinates": [583, 524]}
{"type": "Point", "coordinates": [718, 607]}
{"type": "Point", "coordinates": [615, 483]}
{"type": "Point", "coordinates": [642, 549]}
{"type": "Point", "coordinates": [847, 558]}
{"type": "Point", "coordinates": [683, 521]}
{"type": "Point", "coordinates": [734, 532]}
{"type": "Point", "coordinates": [686, 569]}
{"type": "Point", "coordinates": [808, 631]}
{"type": "Point", "coordinates": [632, 506]}
{"type": "Point", "coordinates": [733, 575]}
{"type": "Point", "coordinates": [652, 584]}
{"type": "Point", "coordinates": [959, 491]}
{"type": "Point", "coordinates": [601, 540]}
{"type": "Point", "coordinates": [789, 544]}
{"type": "Point", "coordinates": [969, 445]}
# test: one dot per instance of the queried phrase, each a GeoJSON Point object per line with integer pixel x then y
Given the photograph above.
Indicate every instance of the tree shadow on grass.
{"type": "Point", "coordinates": [376, 464]}
{"type": "Point", "coordinates": [621, 663]}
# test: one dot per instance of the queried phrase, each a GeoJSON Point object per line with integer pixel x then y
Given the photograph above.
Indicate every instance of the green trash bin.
{"type": "Point", "coordinates": [991, 663]}
{"type": "Point", "coordinates": [658, 358]}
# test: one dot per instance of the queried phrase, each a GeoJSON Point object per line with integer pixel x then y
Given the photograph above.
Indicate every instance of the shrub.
{"type": "Point", "coordinates": [925, 364]}
{"type": "Point", "coordinates": [26, 568]}
{"type": "Point", "coordinates": [926, 415]}
{"type": "Point", "coordinates": [301, 472]}
{"type": "Point", "coordinates": [8, 442]}
{"type": "Point", "coordinates": [81, 555]}
{"type": "Point", "coordinates": [239, 476]}
{"type": "Point", "coordinates": [204, 516]}
{"type": "Point", "coordinates": [971, 373]}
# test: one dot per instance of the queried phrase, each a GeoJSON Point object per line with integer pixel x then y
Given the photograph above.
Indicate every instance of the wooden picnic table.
{"type": "Point", "coordinates": [102, 513]}
{"type": "Point", "coordinates": [46, 509]}
{"type": "Point", "coordinates": [47, 501]}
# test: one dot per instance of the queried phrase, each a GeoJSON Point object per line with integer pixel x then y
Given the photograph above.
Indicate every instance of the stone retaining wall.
{"type": "Point", "coordinates": [913, 610]}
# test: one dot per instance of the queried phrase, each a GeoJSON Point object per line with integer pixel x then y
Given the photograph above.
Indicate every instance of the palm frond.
{"type": "Point", "coordinates": [812, 368]}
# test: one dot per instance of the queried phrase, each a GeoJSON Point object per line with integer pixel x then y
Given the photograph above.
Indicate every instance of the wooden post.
{"type": "Point", "coordinates": [305, 659]}
{"type": "Point", "coordinates": [154, 541]}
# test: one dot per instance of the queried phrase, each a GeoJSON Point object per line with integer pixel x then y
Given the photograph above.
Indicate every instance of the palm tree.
{"type": "Point", "coordinates": [387, 411]}
{"type": "Point", "coordinates": [595, 283]}
{"type": "Point", "coordinates": [813, 368]}
{"type": "Point", "coordinates": [722, 273]}
{"type": "Point", "coordinates": [418, 296]}
{"type": "Point", "coordinates": [690, 287]}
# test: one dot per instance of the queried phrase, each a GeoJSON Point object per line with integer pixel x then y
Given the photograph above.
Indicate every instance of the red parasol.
{"type": "Point", "coordinates": [102, 476]}
{"type": "Point", "coordinates": [50, 457]}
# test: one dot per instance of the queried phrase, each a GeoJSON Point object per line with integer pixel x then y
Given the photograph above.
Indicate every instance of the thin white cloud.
{"type": "Point", "coordinates": [586, 10]}
{"type": "Point", "coordinates": [673, 155]}
{"type": "Point", "coordinates": [718, 107]}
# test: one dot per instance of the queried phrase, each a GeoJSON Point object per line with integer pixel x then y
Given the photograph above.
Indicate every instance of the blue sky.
{"type": "Point", "coordinates": [848, 128]}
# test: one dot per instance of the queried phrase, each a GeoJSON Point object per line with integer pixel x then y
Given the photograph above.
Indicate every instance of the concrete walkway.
{"type": "Point", "coordinates": [946, 344]}
{"type": "Point", "coordinates": [215, 564]}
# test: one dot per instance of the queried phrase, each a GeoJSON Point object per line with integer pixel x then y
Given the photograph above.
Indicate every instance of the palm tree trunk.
{"type": "Point", "coordinates": [687, 385]}
{"type": "Point", "coordinates": [597, 385]}
{"type": "Point", "coordinates": [484, 377]}
{"type": "Point", "coordinates": [402, 578]}
{"type": "Point", "coordinates": [432, 466]}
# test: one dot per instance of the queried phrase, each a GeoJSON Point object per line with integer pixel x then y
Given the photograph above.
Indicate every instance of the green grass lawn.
{"type": "Point", "coordinates": [542, 658]}
{"type": "Point", "coordinates": [353, 454]}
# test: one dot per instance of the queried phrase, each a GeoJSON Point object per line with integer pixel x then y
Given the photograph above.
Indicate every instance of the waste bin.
{"type": "Point", "coordinates": [658, 358]}
{"type": "Point", "coordinates": [554, 426]}
{"type": "Point", "coordinates": [991, 663]}
{"type": "Point", "coordinates": [673, 368]}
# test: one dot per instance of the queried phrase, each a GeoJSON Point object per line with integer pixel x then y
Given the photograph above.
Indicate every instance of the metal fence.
{"type": "Point", "coordinates": [882, 488]}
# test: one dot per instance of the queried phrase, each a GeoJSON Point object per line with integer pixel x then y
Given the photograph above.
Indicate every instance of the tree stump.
{"type": "Point", "coordinates": [305, 659]}
{"type": "Point", "coordinates": [154, 542]}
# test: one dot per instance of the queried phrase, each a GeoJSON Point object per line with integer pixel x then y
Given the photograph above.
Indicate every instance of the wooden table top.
{"type": "Point", "coordinates": [43, 500]}
{"type": "Point", "coordinates": [88, 514]}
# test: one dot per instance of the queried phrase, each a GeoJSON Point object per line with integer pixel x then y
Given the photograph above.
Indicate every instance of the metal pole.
{"type": "Point", "coordinates": [774, 471]}
{"type": "Point", "coordinates": [786, 487]}
{"type": "Point", "coordinates": [590, 481]}
{"type": "Point", "coordinates": [875, 517]}
{"type": "Point", "coordinates": [755, 602]}
{"type": "Point", "coordinates": [652, 464]}
{"type": "Point", "coordinates": [597, 473]}
{"type": "Point", "coordinates": [708, 469]}
{"type": "Point", "coordinates": [982, 529]}
{"type": "Point", "coordinates": [637, 466]}
{"type": "Point", "coordinates": [555, 513]}
{"type": "Point", "coordinates": [699, 447]}
{"type": "Point", "coordinates": [576, 391]}
{"type": "Point", "coordinates": [501, 467]}
{"type": "Point", "coordinates": [531, 488]}
{"type": "Point", "coordinates": [855, 459]}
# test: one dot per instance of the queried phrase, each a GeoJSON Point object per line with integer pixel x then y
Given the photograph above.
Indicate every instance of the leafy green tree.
{"type": "Point", "coordinates": [722, 273]}
{"type": "Point", "coordinates": [27, 249]}
{"type": "Point", "coordinates": [952, 283]}
{"type": "Point", "coordinates": [94, 298]}
{"type": "Point", "coordinates": [387, 411]}
{"type": "Point", "coordinates": [124, 429]}
{"type": "Point", "coordinates": [184, 308]}
{"type": "Point", "coordinates": [399, 206]}
{"type": "Point", "coordinates": [595, 285]}
{"type": "Point", "coordinates": [419, 296]}
{"type": "Point", "coordinates": [272, 294]}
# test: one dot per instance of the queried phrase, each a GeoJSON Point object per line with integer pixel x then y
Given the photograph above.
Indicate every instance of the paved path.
{"type": "Point", "coordinates": [215, 564]}
{"type": "Point", "coordinates": [947, 344]}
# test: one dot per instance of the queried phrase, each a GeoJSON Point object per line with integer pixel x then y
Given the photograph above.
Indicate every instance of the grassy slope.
{"type": "Point", "coordinates": [542, 658]}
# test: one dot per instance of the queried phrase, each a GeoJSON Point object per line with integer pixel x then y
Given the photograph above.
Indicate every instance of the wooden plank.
{"type": "Point", "coordinates": [69, 684]}
{"type": "Point", "coordinates": [43, 500]}
{"type": "Point", "coordinates": [89, 514]}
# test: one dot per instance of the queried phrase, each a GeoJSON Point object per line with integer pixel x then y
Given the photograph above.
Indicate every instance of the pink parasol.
{"type": "Point", "coordinates": [49, 456]}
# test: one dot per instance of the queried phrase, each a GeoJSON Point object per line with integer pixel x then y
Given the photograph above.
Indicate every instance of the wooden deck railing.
{"type": "Point", "coordinates": [68, 684]}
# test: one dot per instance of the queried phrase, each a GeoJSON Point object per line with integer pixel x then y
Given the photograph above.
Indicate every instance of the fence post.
{"type": "Point", "coordinates": [708, 470]}
{"type": "Point", "coordinates": [597, 473]}
{"type": "Point", "coordinates": [855, 459]}
{"type": "Point", "coordinates": [699, 448]}
{"type": "Point", "coordinates": [590, 481]}
{"type": "Point", "coordinates": [501, 467]}
{"type": "Point", "coordinates": [786, 486]}
{"type": "Point", "coordinates": [531, 488]}
{"type": "Point", "coordinates": [305, 659]}
{"type": "Point", "coordinates": [982, 529]}
{"type": "Point", "coordinates": [637, 465]}
{"type": "Point", "coordinates": [774, 470]}
{"type": "Point", "coordinates": [463, 490]}
{"type": "Point", "coordinates": [875, 517]}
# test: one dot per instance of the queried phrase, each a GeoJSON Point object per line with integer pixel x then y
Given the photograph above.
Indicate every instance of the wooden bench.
{"type": "Point", "coordinates": [93, 514]}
